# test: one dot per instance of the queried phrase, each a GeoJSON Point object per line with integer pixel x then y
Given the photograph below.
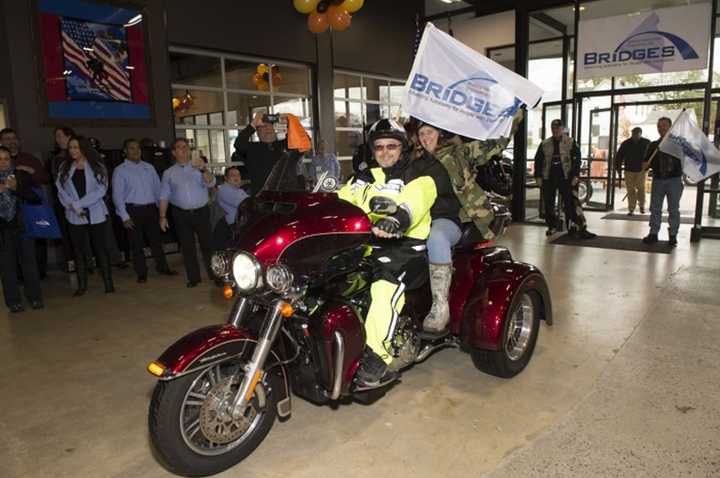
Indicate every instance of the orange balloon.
{"type": "Point", "coordinates": [352, 6]}
{"type": "Point", "coordinates": [317, 22]}
{"type": "Point", "coordinates": [339, 18]}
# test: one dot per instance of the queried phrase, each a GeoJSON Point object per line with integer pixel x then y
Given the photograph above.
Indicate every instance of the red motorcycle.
{"type": "Point", "coordinates": [301, 289]}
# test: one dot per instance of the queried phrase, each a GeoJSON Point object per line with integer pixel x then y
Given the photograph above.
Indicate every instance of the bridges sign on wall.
{"type": "Point", "coordinates": [668, 39]}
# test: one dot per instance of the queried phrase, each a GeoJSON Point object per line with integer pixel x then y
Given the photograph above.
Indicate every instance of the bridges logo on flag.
{"type": "Point", "coordinates": [700, 158]}
{"type": "Point", "coordinates": [457, 89]}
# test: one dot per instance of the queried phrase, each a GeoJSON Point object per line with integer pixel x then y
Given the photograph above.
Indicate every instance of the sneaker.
{"type": "Point", "coordinates": [672, 241]}
{"type": "Point", "coordinates": [373, 370]}
{"type": "Point", "coordinates": [37, 304]}
{"type": "Point", "coordinates": [16, 308]}
{"type": "Point", "coordinates": [650, 239]}
{"type": "Point", "coordinates": [642, 210]}
{"type": "Point", "coordinates": [142, 279]}
{"type": "Point", "coordinates": [550, 232]}
{"type": "Point", "coordinates": [630, 213]}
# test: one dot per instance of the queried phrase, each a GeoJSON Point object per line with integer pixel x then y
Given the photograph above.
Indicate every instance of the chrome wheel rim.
{"type": "Point", "coordinates": [520, 328]}
{"type": "Point", "coordinates": [206, 422]}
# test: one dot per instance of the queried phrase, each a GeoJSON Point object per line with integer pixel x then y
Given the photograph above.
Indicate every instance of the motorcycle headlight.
{"type": "Point", "coordinates": [246, 271]}
{"type": "Point", "coordinates": [220, 264]}
{"type": "Point", "coordinates": [279, 278]}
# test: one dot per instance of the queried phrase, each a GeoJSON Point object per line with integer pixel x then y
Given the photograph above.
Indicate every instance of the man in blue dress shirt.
{"type": "Point", "coordinates": [228, 199]}
{"type": "Point", "coordinates": [185, 187]}
{"type": "Point", "coordinates": [136, 192]}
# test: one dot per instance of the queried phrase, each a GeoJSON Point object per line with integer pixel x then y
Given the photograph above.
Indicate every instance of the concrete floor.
{"type": "Point", "coordinates": [624, 384]}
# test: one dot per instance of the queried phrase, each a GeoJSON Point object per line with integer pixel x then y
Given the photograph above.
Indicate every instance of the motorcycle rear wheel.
{"type": "Point", "coordinates": [181, 440]}
{"type": "Point", "coordinates": [518, 341]}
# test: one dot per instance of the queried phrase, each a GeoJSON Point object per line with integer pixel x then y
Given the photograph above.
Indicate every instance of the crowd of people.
{"type": "Point", "coordinates": [147, 201]}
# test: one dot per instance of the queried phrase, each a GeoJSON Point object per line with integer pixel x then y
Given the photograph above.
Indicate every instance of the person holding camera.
{"type": "Point", "coordinates": [16, 188]}
{"type": "Point", "coordinates": [185, 187]}
{"type": "Point", "coordinates": [268, 161]}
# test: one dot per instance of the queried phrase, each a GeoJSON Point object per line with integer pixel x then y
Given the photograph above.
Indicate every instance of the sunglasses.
{"type": "Point", "coordinates": [386, 147]}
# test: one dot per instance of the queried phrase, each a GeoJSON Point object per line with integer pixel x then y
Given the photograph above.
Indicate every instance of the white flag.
{"type": "Point", "coordinates": [700, 158]}
{"type": "Point", "coordinates": [457, 89]}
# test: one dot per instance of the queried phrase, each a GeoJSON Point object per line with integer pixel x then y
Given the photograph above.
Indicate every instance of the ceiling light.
{"type": "Point", "coordinates": [450, 1]}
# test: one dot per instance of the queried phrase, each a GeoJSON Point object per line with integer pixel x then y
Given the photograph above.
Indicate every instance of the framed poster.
{"type": "Point", "coordinates": [94, 64]}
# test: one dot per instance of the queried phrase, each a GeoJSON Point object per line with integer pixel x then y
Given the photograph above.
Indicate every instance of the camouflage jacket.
{"type": "Point", "coordinates": [461, 162]}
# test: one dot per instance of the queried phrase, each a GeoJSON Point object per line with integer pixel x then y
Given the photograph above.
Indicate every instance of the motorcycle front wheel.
{"type": "Point", "coordinates": [192, 428]}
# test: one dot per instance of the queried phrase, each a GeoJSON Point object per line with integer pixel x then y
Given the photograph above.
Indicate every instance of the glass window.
{"type": "Point", "coordinates": [346, 142]}
{"type": "Point", "coordinates": [347, 86]}
{"type": "Point", "coordinates": [243, 106]}
{"type": "Point", "coordinates": [292, 80]}
{"type": "Point", "coordinates": [217, 145]}
{"type": "Point", "coordinates": [348, 114]}
{"type": "Point", "coordinates": [199, 102]}
{"type": "Point", "coordinates": [202, 142]}
{"type": "Point", "coordinates": [198, 70]}
{"type": "Point", "coordinates": [202, 101]}
{"type": "Point", "coordinates": [372, 88]}
{"type": "Point", "coordinates": [239, 75]}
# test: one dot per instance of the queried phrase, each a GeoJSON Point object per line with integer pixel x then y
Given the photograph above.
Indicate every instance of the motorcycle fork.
{"type": "Point", "coordinates": [253, 369]}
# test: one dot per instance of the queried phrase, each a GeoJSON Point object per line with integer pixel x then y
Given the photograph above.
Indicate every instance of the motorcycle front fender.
{"type": "Point", "coordinates": [200, 349]}
{"type": "Point", "coordinates": [487, 308]}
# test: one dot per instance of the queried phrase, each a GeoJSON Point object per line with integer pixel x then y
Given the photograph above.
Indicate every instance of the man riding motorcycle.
{"type": "Point", "coordinates": [398, 201]}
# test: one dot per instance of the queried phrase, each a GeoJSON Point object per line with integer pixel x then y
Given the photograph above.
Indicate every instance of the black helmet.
{"type": "Point", "coordinates": [387, 128]}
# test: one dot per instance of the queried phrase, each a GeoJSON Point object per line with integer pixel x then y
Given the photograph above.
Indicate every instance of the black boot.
{"type": "Point", "coordinates": [106, 271]}
{"type": "Point", "coordinates": [373, 371]}
{"type": "Point", "coordinates": [82, 278]}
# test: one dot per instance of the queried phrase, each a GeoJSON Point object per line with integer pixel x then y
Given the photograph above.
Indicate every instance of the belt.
{"type": "Point", "coordinates": [191, 210]}
{"type": "Point", "coordinates": [140, 205]}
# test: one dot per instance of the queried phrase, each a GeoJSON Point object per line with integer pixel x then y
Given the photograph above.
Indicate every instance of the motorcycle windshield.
{"type": "Point", "coordinates": [287, 174]}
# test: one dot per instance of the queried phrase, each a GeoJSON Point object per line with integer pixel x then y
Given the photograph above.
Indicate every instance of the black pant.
{"type": "Point", "coordinates": [188, 223]}
{"type": "Point", "coordinates": [222, 234]}
{"type": "Point", "coordinates": [14, 249]}
{"type": "Point", "coordinates": [81, 237]}
{"type": "Point", "coordinates": [550, 187]}
{"type": "Point", "coordinates": [147, 228]}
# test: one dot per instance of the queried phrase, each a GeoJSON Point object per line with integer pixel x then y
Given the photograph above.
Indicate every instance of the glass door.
{"type": "Point", "coordinates": [596, 178]}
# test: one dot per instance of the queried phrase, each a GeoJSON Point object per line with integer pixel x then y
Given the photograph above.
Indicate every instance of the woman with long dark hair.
{"type": "Point", "coordinates": [59, 155]}
{"type": "Point", "coordinates": [82, 184]}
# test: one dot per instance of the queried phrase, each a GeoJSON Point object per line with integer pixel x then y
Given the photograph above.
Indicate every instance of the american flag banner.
{"type": "Point", "coordinates": [98, 54]}
{"type": "Point", "coordinates": [94, 61]}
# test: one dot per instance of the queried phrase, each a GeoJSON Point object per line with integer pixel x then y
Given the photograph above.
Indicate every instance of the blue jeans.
{"type": "Point", "coordinates": [444, 234]}
{"type": "Point", "coordinates": [673, 189]}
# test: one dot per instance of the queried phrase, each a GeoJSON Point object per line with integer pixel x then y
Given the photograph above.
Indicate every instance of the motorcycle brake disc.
{"type": "Point", "coordinates": [216, 421]}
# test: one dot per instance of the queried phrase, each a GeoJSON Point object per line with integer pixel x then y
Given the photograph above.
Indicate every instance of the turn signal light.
{"type": "Point", "coordinates": [156, 369]}
{"type": "Point", "coordinates": [286, 310]}
{"type": "Point", "coordinates": [228, 292]}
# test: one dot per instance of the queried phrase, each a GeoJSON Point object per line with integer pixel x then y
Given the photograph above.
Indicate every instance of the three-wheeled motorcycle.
{"type": "Point", "coordinates": [300, 285]}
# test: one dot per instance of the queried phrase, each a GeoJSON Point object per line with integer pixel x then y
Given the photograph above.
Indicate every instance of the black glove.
{"type": "Point", "coordinates": [395, 224]}
{"type": "Point", "coordinates": [383, 205]}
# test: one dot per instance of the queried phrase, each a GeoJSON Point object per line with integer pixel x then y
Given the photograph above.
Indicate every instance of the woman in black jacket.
{"type": "Point", "coordinates": [16, 188]}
